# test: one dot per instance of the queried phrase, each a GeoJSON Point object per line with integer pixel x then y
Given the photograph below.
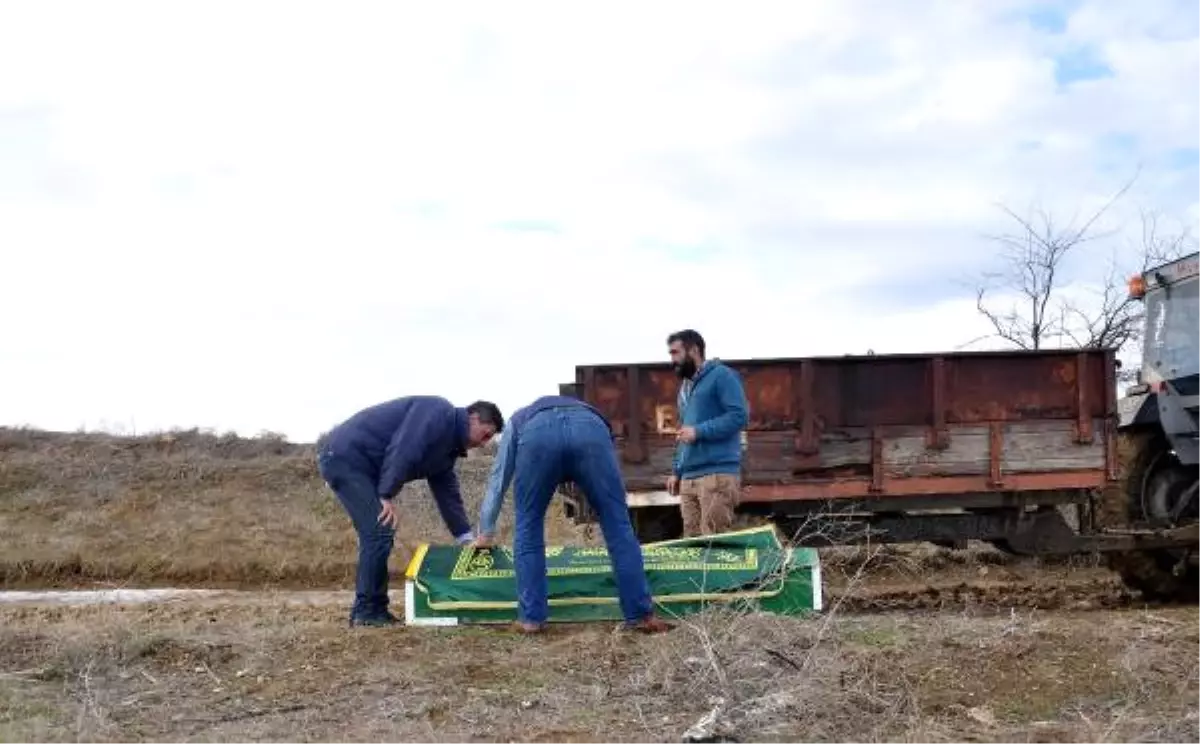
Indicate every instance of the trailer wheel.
{"type": "Point", "coordinates": [1151, 484]}
{"type": "Point", "coordinates": [656, 523]}
{"type": "Point", "coordinates": [1003, 546]}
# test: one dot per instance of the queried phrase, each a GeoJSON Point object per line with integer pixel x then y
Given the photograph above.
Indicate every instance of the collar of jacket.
{"type": "Point", "coordinates": [462, 430]}
{"type": "Point", "coordinates": [705, 366]}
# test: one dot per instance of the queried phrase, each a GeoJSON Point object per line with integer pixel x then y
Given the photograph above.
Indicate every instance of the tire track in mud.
{"type": "Point", "coordinates": [984, 596]}
{"type": "Point", "coordinates": [986, 582]}
{"type": "Point", "coordinates": [921, 586]}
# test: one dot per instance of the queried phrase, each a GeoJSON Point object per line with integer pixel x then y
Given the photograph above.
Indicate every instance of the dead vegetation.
{"type": "Point", "coordinates": [196, 509]}
{"type": "Point", "coordinates": [987, 665]}
{"type": "Point", "coordinates": [273, 671]}
{"type": "Point", "coordinates": [188, 508]}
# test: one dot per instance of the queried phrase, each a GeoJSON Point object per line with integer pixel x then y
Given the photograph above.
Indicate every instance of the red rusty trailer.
{"type": "Point", "coordinates": [1023, 449]}
{"type": "Point", "coordinates": [1015, 447]}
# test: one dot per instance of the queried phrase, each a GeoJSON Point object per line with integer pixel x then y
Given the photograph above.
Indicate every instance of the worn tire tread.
{"type": "Point", "coordinates": [1149, 571]}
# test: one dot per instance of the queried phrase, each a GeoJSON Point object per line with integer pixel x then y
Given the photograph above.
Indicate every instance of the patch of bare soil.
{"type": "Point", "coordinates": [291, 672]}
{"type": "Point", "coordinates": [911, 577]}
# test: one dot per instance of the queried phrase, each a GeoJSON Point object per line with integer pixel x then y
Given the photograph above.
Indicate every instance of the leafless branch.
{"type": "Point", "coordinates": [1033, 259]}
{"type": "Point", "coordinates": [1159, 248]}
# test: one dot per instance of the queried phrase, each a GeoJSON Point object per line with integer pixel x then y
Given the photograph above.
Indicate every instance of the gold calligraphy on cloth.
{"type": "Point", "coordinates": [497, 563]}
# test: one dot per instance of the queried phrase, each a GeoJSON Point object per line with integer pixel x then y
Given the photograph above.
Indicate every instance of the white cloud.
{"type": "Point", "coordinates": [266, 215]}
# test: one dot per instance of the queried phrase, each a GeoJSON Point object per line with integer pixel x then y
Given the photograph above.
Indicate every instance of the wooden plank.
{"type": "Point", "coordinates": [878, 460]}
{"type": "Point", "coordinates": [1083, 433]}
{"type": "Point", "coordinates": [1027, 447]}
{"type": "Point", "coordinates": [937, 380]}
{"type": "Point", "coordinates": [806, 442]}
{"type": "Point", "coordinates": [634, 451]}
{"type": "Point", "coordinates": [995, 454]}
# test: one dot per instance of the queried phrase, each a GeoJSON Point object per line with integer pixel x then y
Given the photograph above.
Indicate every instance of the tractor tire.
{"type": "Point", "coordinates": [1160, 574]}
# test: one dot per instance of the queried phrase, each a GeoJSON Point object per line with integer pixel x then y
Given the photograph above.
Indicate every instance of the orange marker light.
{"type": "Point", "coordinates": [1137, 286]}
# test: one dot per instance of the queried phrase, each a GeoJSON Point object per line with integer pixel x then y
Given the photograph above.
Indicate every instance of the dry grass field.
{"type": "Point", "coordinates": [918, 643]}
{"type": "Point", "coordinates": [188, 509]}
{"type": "Point", "coordinates": [280, 671]}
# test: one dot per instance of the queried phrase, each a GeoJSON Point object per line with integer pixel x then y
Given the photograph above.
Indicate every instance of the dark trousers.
{"type": "Point", "coordinates": [357, 492]}
{"type": "Point", "coordinates": [572, 444]}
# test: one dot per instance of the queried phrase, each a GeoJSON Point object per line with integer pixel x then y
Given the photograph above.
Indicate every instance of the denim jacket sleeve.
{"type": "Point", "coordinates": [498, 482]}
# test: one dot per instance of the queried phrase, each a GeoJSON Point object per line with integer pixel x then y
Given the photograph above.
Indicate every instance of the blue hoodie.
{"type": "Point", "coordinates": [716, 407]}
{"type": "Point", "coordinates": [421, 436]}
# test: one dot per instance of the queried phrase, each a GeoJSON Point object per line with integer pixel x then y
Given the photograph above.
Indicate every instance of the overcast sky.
{"type": "Point", "coordinates": [251, 215]}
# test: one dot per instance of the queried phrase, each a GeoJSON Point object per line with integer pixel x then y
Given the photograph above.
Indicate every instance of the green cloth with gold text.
{"type": "Point", "coordinates": [750, 566]}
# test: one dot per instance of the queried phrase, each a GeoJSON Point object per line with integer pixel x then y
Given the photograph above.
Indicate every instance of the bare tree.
{"type": "Point", "coordinates": [1043, 315]}
{"type": "Point", "coordinates": [1117, 319]}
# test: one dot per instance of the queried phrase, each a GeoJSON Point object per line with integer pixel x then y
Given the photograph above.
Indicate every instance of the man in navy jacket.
{"type": "Point", "coordinates": [554, 440]}
{"type": "Point", "coordinates": [367, 459]}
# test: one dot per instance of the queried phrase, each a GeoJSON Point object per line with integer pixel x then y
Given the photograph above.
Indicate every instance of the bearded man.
{"type": "Point", "coordinates": [706, 472]}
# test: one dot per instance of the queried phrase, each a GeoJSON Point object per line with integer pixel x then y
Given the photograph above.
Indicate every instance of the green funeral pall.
{"type": "Point", "coordinates": [451, 584]}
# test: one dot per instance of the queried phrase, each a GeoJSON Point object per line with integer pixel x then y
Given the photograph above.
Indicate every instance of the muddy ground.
{"type": "Point", "coordinates": [919, 642]}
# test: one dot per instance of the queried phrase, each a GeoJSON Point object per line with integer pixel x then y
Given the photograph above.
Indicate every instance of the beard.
{"type": "Point", "coordinates": [686, 368]}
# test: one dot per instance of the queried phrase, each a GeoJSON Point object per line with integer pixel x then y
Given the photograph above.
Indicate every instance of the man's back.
{"type": "Point", "coordinates": [544, 403]}
{"type": "Point", "coordinates": [364, 437]}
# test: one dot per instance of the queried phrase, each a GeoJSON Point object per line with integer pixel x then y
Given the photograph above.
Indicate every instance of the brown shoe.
{"type": "Point", "coordinates": [529, 628]}
{"type": "Point", "coordinates": [649, 624]}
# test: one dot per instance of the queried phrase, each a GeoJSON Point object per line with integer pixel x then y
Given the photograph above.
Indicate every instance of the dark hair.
{"type": "Point", "coordinates": [689, 338]}
{"type": "Point", "coordinates": [488, 413]}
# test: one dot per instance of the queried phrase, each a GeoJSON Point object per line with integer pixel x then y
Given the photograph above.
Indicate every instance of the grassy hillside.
{"type": "Point", "coordinates": [189, 507]}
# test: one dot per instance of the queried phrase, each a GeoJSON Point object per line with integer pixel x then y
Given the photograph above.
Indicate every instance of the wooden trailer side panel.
{"type": "Point", "coordinates": [903, 424]}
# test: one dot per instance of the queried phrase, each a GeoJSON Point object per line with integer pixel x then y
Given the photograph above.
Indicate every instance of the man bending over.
{"type": "Point", "coordinates": [367, 460]}
{"type": "Point", "coordinates": [559, 439]}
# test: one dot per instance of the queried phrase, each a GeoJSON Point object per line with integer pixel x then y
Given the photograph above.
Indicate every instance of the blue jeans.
{"type": "Point", "coordinates": [572, 444]}
{"type": "Point", "coordinates": [357, 492]}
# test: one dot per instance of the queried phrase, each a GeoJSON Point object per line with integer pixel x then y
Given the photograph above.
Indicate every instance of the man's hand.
{"type": "Point", "coordinates": [673, 485]}
{"type": "Point", "coordinates": [388, 516]}
{"type": "Point", "coordinates": [484, 541]}
{"type": "Point", "coordinates": [687, 434]}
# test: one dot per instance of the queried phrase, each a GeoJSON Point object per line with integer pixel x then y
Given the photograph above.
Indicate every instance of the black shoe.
{"type": "Point", "coordinates": [386, 620]}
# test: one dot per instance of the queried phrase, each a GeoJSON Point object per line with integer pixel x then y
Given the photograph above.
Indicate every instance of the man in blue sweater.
{"type": "Point", "coordinates": [558, 439]}
{"type": "Point", "coordinates": [367, 459]}
{"type": "Point", "coordinates": [706, 473]}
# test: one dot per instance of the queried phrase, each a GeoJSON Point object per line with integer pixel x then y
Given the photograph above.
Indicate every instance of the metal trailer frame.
{"type": "Point", "coordinates": [893, 448]}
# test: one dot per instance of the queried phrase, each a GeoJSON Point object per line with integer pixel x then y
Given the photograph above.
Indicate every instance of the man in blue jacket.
{"type": "Point", "coordinates": [558, 439]}
{"type": "Point", "coordinates": [369, 457]}
{"type": "Point", "coordinates": [706, 472]}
